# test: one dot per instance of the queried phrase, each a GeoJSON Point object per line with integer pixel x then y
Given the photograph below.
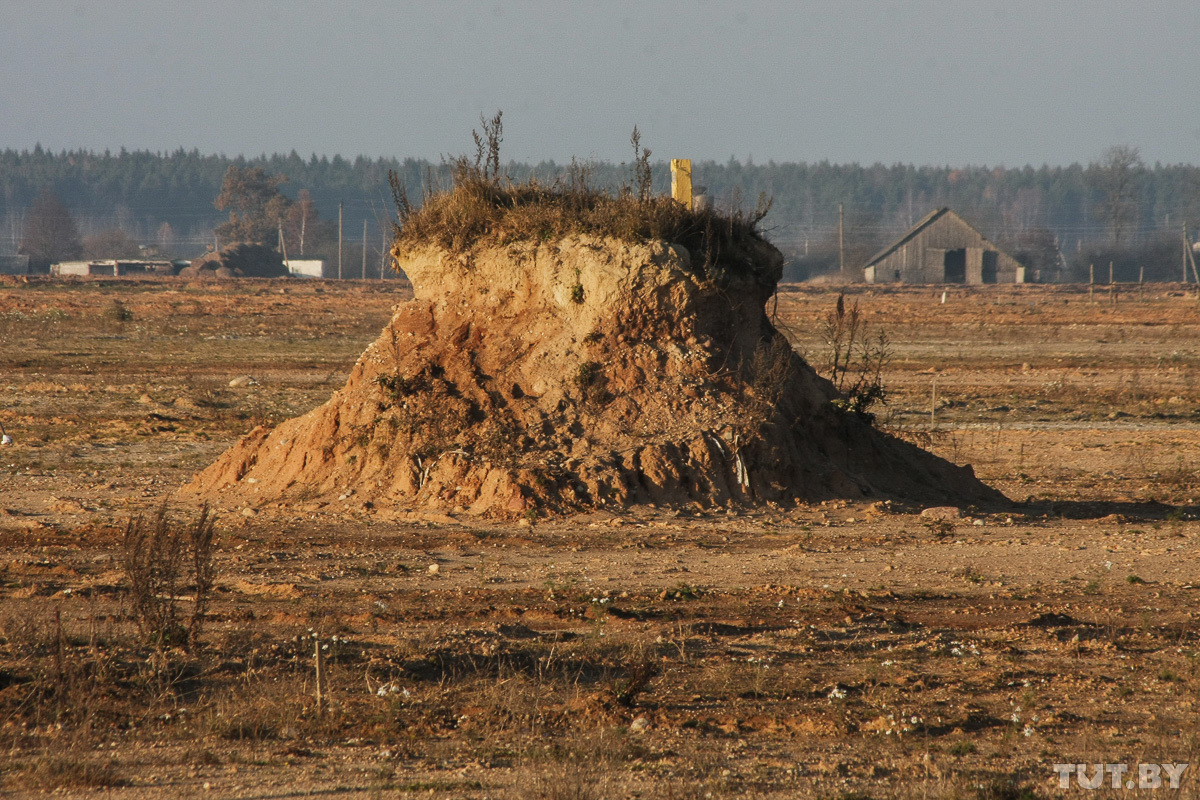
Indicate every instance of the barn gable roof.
{"type": "Point", "coordinates": [925, 222]}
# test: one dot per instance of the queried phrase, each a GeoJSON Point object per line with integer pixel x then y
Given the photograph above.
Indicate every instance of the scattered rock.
{"type": "Point", "coordinates": [1051, 619]}
{"type": "Point", "coordinates": [274, 591]}
{"type": "Point", "coordinates": [66, 506]}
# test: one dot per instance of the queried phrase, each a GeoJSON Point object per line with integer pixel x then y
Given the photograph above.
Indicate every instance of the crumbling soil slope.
{"type": "Point", "coordinates": [578, 373]}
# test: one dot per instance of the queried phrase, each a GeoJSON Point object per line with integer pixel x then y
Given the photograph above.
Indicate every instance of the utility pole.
{"type": "Point", "coordinates": [283, 248]}
{"type": "Point", "coordinates": [841, 245]}
{"type": "Point", "coordinates": [1185, 253]}
{"type": "Point", "coordinates": [364, 266]}
{"type": "Point", "coordinates": [1190, 255]}
{"type": "Point", "coordinates": [339, 241]}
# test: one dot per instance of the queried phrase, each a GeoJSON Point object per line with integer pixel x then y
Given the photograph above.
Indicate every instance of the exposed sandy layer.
{"type": "Point", "coordinates": [578, 374]}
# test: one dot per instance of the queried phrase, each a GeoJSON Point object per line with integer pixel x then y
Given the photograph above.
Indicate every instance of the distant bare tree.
{"type": "Point", "coordinates": [303, 228]}
{"type": "Point", "coordinates": [1116, 177]}
{"type": "Point", "coordinates": [50, 233]}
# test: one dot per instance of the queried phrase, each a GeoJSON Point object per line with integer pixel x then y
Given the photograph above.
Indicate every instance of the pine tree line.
{"type": "Point", "coordinates": [1060, 209]}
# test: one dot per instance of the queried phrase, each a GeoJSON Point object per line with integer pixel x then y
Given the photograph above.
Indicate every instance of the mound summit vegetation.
{"type": "Point", "coordinates": [484, 207]}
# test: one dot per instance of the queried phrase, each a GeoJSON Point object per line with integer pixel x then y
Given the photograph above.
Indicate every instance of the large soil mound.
{"type": "Point", "coordinates": [578, 373]}
{"type": "Point", "coordinates": [238, 260]}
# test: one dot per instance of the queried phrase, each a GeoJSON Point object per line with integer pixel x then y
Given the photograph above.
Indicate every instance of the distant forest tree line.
{"type": "Point", "coordinates": [1057, 220]}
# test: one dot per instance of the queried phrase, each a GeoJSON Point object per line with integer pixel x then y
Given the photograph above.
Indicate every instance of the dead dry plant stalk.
{"type": "Point", "coordinates": [319, 669]}
{"type": "Point", "coordinates": [487, 147]}
{"type": "Point", "coordinates": [643, 177]}
{"type": "Point", "coordinates": [204, 571]}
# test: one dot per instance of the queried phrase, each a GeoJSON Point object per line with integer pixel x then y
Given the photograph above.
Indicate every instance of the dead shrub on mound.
{"type": "Point", "coordinates": [426, 410]}
{"type": "Point", "coordinates": [768, 374]}
{"type": "Point", "coordinates": [484, 207]}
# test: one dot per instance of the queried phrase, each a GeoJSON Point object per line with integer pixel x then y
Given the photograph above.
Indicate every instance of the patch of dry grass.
{"type": "Point", "coordinates": [57, 771]}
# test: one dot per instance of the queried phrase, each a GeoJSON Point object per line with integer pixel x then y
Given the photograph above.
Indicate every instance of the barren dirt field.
{"type": "Point", "coordinates": [840, 650]}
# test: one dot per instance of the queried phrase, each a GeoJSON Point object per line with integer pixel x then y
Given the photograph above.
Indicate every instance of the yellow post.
{"type": "Point", "coordinates": [681, 181]}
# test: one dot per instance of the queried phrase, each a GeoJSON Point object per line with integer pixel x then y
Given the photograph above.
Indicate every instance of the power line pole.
{"type": "Point", "coordinates": [1190, 255]}
{"type": "Point", "coordinates": [1185, 253]}
{"type": "Point", "coordinates": [283, 248]}
{"type": "Point", "coordinates": [339, 241]}
{"type": "Point", "coordinates": [841, 245]}
{"type": "Point", "coordinates": [364, 266]}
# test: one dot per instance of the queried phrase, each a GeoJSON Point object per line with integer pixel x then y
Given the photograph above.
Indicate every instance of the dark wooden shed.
{"type": "Point", "coordinates": [943, 248]}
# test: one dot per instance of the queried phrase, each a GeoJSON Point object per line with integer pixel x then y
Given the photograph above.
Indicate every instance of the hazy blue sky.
{"type": "Point", "coordinates": [926, 81]}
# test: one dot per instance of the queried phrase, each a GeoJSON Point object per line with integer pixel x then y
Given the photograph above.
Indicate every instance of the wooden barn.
{"type": "Point", "coordinates": [943, 248]}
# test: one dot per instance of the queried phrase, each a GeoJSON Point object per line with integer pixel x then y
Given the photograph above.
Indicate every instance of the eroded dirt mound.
{"type": "Point", "coordinates": [239, 260]}
{"type": "Point", "coordinates": [582, 373]}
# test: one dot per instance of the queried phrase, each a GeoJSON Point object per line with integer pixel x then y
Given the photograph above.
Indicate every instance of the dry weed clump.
{"type": "Point", "coordinates": [116, 311]}
{"type": "Point", "coordinates": [155, 553]}
{"type": "Point", "coordinates": [484, 207]}
{"type": "Point", "coordinates": [69, 769]}
{"type": "Point", "coordinates": [856, 360]}
{"type": "Point", "coordinates": [561, 780]}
